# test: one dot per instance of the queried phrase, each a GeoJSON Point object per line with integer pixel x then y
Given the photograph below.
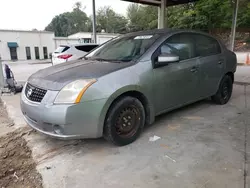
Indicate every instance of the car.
{"type": "Point", "coordinates": [121, 86]}
{"type": "Point", "coordinates": [65, 53]}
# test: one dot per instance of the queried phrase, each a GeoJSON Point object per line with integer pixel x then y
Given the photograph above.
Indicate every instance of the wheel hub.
{"type": "Point", "coordinates": [225, 91]}
{"type": "Point", "coordinates": [127, 121]}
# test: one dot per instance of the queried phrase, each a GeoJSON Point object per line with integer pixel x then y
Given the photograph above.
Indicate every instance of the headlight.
{"type": "Point", "coordinates": [72, 93]}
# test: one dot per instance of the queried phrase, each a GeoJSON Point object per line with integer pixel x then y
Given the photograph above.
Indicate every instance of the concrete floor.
{"type": "Point", "coordinates": [202, 145]}
{"type": "Point", "coordinates": [243, 74]}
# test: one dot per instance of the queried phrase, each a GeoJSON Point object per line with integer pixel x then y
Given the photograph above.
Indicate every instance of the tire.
{"type": "Point", "coordinates": [224, 92]}
{"type": "Point", "coordinates": [125, 121]}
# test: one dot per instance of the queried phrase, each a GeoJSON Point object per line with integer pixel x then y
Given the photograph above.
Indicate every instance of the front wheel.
{"type": "Point", "coordinates": [125, 121]}
{"type": "Point", "coordinates": [224, 92]}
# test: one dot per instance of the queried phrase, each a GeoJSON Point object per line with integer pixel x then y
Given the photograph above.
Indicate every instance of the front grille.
{"type": "Point", "coordinates": [34, 94]}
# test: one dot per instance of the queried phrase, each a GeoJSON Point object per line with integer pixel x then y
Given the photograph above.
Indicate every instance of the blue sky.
{"type": "Point", "coordinates": [30, 14]}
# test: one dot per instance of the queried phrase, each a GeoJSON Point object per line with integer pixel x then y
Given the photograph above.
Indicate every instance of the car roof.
{"type": "Point", "coordinates": [85, 44]}
{"type": "Point", "coordinates": [164, 31]}
{"type": "Point", "coordinates": [150, 32]}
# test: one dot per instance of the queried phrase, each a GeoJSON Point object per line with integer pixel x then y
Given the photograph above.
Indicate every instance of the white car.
{"type": "Point", "coordinates": [66, 53]}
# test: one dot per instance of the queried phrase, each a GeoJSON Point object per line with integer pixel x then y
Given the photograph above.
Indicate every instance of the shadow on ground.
{"type": "Point", "coordinates": [201, 145]}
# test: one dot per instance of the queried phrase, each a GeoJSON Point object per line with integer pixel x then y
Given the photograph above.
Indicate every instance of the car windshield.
{"type": "Point", "coordinates": [123, 49]}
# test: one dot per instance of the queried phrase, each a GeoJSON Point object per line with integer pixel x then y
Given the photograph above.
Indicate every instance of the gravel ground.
{"type": "Point", "coordinates": [17, 168]}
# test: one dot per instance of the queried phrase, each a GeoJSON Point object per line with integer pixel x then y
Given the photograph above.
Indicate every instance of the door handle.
{"type": "Point", "coordinates": [220, 62]}
{"type": "Point", "coordinates": [194, 69]}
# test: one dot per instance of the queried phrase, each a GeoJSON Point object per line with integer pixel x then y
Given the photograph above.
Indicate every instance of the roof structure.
{"type": "Point", "coordinates": [26, 31]}
{"type": "Point", "coordinates": [158, 2]}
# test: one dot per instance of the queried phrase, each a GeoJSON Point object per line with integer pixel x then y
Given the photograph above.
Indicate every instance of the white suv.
{"type": "Point", "coordinates": [72, 52]}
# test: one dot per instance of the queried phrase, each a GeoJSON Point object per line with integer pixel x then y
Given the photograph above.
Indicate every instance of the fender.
{"type": "Point", "coordinates": [116, 95]}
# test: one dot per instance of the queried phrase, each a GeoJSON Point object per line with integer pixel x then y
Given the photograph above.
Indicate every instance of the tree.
{"type": "Point", "coordinates": [70, 22]}
{"type": "Point", "coordinates": [110, 21]}
{"type": "Point", "coordinates": [77, 6]}
{"type": "Point", "coordinates": [208, 15]}
{"type": "Point", "coordinates": [142, 17]}
{"type": "Point", "coordinates": [244, 14]}
{"type": "Point", "coordinates": [203, 15]}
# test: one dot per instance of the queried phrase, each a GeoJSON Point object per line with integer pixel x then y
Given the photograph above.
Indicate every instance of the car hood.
{"type": "Point", "coordinates": [56, 77]}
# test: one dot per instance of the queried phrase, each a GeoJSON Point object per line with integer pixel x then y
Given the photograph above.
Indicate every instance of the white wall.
{"type": "Point", "coordinates": [81, 35]}
{"type": "Point", "coordinates": [65, 41]}
{"type": "Point", "coordinates": [25, 39]}
{"type": "Point", "coordinates": [41, 39]}
{"type": "Point", "coordinates": [101, 37]}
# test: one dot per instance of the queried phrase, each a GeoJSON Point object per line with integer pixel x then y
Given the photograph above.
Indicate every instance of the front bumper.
{"type": "Point", "coordinates": [69, 121]}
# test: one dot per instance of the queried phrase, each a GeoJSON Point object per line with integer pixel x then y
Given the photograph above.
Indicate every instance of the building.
{"type": "Point", "coordinates": [25, 45]}
{"type": "Point", "coordinates": [58, 41]}
{"type": "Point", "coordinates": [21, 45]}
{"type": "Point", "coordinates": [87, 37]}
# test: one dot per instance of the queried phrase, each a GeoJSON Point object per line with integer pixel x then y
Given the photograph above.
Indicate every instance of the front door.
{"type": "Point", "coordinates": [45, 53]}
{"type": "Point", "coordinates": [13, 53]}
{"type": "Point", "coordinates": [28, 54]}
{"type": "Point", "coordinates": [176, 84]}
{"type": "Point", "coordinates": [37, 53]}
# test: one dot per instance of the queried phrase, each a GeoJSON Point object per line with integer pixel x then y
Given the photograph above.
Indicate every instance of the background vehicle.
{"type": "Point", "coordinates": [72, 52]}
{"type": "Point", "coordinates": [122, 85]}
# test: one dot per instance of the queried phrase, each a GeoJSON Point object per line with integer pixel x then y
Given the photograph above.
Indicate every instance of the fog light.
{"type": "Point", "coordinates": [58, 129]}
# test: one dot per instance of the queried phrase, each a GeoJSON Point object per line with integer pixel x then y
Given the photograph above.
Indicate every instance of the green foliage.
{"type": "Point", "coordinates": [203, 15]}
{"type": "Point", "coordinates": [248, 41]}
{"type": "Point", "coordinates": [70, 22]}
{"type": "Point", "coordinates": [141, 17]}
{"type": "Point", "coordinates": [110, 21]}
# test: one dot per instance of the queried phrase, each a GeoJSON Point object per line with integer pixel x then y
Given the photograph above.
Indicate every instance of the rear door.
{"type": "Point", "coordinates": [211, 63]}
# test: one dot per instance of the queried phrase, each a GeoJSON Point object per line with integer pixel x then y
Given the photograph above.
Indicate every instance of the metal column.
{"type": "Point", "coordinates": [234, 23]}
{"type": "Point", "coordinates": [161, 14]}
{"type": "Point", "coordinates": [94, 22]}
{"type": "Point", "coordinates": [1, 72]}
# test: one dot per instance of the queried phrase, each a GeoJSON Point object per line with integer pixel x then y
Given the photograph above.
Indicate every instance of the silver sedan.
{"type": "Point", "coordinates": [122, 85]}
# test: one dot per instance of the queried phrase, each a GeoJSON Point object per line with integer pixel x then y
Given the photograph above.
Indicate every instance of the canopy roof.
{"type": "Point", "coordinates": [158, 2]}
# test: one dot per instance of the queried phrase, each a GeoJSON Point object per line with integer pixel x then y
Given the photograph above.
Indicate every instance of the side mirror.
{"type": "Point", "coordinates": [165, 59]}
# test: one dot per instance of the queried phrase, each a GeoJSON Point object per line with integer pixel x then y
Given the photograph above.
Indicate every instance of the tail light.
{"type": "Point", "coordinates": [65, 56]}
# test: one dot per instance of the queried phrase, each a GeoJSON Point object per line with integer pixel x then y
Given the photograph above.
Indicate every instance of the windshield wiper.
{"type": "Point", "coordinates": [99, 59]}
{"type": "Point", "coordinates": [107, 60]}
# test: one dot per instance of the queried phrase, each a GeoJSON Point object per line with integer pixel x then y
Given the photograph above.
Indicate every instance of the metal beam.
{"type": "Point", "coordinates": [94, 22]}
{"type": "Point", "coordinates": [158, 2]}
{"type": "Point", "coordinates": [159, 17]}
{"type": "Point", "coordinates": [234, 23]}
{"type": "Point", "coordinates": [161, 14]}
{"type": "Point", "coordinates": [1, 72]}
{"type": "Point", "coordinates": [151, 2]}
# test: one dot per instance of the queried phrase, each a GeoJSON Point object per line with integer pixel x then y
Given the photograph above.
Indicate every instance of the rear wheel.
{"type": "Point", "coordinates": [224, 92]}
{"type": "Point", "coordinates": [125, 121]}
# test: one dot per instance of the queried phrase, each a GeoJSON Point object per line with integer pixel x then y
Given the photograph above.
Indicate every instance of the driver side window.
{"type": "Point", "coordinates": [181, 45]}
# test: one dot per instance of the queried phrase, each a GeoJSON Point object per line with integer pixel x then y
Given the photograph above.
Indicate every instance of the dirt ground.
{"type": "Point", "coordinates": [17, 168]}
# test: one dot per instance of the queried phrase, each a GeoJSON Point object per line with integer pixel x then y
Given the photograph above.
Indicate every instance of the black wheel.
{"type": "Point", "coordinates": [13, 90]}
{"type": "Point", "coordinates": [224, 92]}
{"type": "Point", "coordinates": [125, 121]}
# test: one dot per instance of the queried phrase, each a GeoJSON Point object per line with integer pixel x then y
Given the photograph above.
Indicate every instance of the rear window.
{"type": "Point", "coordinates": [86, 48]}
{"type": "Point", "coordinates": [61, 49]}
{"type": "Point", "coordinates": [206, 46]}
